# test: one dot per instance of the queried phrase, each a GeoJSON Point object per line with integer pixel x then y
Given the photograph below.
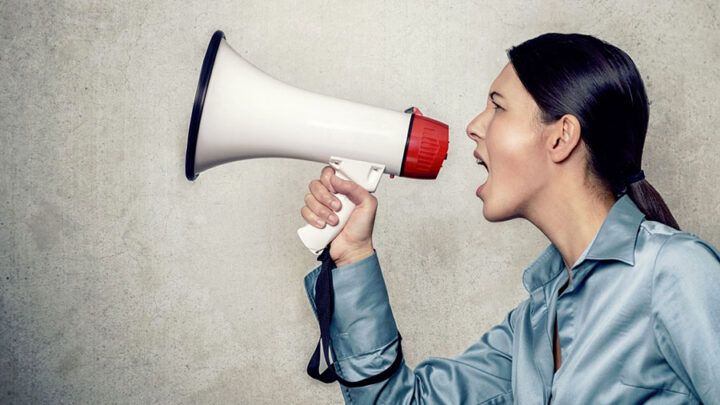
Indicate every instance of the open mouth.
{"type": "Point", "coordinates": [479, 160]}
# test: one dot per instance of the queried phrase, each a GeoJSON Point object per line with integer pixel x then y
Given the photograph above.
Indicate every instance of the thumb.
{"type": "Point", "coordinates": [352, 190]}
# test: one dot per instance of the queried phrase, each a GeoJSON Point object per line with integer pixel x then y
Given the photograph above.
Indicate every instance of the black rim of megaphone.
{"type": "Point", "coordinates": [197, 110]}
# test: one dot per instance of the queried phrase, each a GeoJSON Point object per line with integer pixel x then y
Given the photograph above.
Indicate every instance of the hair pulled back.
{"type": "Point", "coordinates": [599, 84]}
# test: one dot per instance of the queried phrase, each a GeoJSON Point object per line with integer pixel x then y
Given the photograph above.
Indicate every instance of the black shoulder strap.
{"type": "Point", "coordinates": [324, 301]}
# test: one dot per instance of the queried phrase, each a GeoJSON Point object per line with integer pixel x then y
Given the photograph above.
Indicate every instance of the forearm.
{"type": "Point", "coordinates": [364, 342]}
{"type": "Point", "coordinates": [362, 320]}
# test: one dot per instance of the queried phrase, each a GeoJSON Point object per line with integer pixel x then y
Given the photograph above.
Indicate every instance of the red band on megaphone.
{"type": "Point", "coordinates": [426, 148]}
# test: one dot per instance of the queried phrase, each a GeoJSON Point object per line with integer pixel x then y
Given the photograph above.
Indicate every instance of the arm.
{"type": "Point", "coordinates": [364, 342]}
{"type": "Point", "coordinates": [686, 312]}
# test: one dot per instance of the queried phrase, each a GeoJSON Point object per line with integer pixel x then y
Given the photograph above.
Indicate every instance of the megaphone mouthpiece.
{"type": "Point", "coordinates": [426, 148]}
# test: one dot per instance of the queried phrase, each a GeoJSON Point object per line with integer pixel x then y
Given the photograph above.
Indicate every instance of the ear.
{"type": "Point", "coordinates": [563, 136]}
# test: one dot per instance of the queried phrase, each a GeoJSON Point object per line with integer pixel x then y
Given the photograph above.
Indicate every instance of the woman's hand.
{"type": "Point", "coordinates": [354, 242]}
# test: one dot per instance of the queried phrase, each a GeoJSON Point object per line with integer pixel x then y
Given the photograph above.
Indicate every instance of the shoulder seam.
{"type": "Point", "coordinates": [652, 298]}
{"type": "Point", "coordinates": [513, 315]}
{"type": "Point", "coordinates": [652, 273]}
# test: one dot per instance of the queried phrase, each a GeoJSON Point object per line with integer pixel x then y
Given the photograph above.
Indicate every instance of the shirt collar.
{"type": "Point", "coordinates": [614, 241]}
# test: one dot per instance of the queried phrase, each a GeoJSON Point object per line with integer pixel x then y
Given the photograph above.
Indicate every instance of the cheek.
{"type": "Point", "coordinates": [513, 154]}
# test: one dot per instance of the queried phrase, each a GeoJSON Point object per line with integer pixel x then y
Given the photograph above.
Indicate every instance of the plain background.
{"type": "Point", "coordinates": [122, 282]}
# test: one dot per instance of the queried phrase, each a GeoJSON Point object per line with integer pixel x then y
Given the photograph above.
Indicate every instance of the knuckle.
{"type": "Point", "coordinates": [319, 188]}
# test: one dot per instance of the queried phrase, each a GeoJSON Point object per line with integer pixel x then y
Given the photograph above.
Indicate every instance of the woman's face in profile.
{"type": "Point", "coordinates": [508, 134]}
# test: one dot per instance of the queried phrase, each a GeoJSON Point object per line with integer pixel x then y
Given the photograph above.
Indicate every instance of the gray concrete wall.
{"type": "Point", "coordinates": [122, 282]}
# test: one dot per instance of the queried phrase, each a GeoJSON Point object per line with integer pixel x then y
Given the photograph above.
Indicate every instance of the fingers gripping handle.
{"type": "Point", "coordinates": [316, 239]}
{"type": "Point", "coordinates": [364, 174]}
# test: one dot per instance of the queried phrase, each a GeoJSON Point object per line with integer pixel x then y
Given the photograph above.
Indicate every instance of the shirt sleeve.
{"type": "Point", "coordinates": [686, 312]}
{"type": "Point", "coordinates": [364, 342]}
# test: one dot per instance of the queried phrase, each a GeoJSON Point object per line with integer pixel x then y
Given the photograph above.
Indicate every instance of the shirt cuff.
{"type": "Point", "coordinates": [363, 333]}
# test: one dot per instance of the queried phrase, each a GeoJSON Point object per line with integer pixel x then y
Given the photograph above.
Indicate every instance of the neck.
{"type": "Point", "coordinates": [570, 218]}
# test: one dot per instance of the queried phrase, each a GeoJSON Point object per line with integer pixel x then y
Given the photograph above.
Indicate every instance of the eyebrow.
{"type": "Point", "coordinates": [495, 93]}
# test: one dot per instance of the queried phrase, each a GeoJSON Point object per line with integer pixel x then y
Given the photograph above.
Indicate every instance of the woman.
{"type": "Point", "coordinates": [622, 306]}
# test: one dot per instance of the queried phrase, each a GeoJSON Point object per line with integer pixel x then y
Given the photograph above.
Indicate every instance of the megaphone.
{"type": "Point", "coordinates": [242, 113]}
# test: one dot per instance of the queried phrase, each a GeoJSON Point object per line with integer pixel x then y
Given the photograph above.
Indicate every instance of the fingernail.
{"type": "Point", "coordinates": [336, 205]}
{"type": "Point", "coordinates": [332, 218]}
{"type": "Point", "coordinates": [320, 222]}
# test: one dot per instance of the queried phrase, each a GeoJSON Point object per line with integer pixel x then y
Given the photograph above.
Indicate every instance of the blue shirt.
{"type": "Point", "coordinates": [640, 323]}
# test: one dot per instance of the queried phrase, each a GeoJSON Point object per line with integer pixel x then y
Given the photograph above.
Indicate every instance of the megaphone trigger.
{"type": "Point", "coordinates": [366, 174]}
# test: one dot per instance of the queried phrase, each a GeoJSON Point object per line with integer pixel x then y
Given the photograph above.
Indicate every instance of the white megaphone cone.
{"type": "Point", "coordinates": [242, 113]}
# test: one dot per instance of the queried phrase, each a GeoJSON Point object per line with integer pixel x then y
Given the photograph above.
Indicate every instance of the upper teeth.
{"type": "Point", "coordinates": [479, 161]}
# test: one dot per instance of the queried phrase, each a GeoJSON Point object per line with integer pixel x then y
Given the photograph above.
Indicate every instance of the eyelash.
{"type": "Point", "coordinates": [497, 107]}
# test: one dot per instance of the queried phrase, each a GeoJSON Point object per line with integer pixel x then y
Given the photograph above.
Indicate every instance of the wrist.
{"type": "Point", "coordinates": [355, 255]}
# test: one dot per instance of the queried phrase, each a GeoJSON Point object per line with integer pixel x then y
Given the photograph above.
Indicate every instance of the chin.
{"type": "Point", "coordinates": [489, 214]}
{"type": "Point", "coordinates": [492, 218]}
{"type": "Point", "coordinates": [494, 215]}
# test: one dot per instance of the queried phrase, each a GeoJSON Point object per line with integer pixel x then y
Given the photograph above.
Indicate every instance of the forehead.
{"type": "Point", "coordinates": [509, 85]}
{"type": "Point", "coordinates": [516, 98]}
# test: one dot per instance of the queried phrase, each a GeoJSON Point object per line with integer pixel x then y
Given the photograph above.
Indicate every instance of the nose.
{"type": "Point", "coordinates": [475, 130]}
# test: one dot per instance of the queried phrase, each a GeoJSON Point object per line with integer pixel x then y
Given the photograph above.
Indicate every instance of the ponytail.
{"type": "Point", "coordinates": [649, 201]}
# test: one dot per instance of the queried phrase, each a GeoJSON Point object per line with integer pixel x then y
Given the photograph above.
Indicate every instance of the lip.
{"type": "Point", "coordinates": [484, 162]}
{"type": "Point", "coordinates": [482, 186]}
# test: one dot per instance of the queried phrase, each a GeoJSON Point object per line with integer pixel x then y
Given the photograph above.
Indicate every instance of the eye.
{"type": "Point", "coordinates": [497, 107]}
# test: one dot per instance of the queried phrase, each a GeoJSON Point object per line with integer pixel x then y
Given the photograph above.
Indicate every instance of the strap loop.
{"type": "Point", "coordinates": [324, 303]}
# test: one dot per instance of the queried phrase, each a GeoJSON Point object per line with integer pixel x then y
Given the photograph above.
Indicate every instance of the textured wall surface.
{"type": "Point", "coordinates": [122, 282]}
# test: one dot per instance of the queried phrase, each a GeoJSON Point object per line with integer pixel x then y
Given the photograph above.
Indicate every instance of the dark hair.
{"type": "Point", "coordinates": [599, 84]}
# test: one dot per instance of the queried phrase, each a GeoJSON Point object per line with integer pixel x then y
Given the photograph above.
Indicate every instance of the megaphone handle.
{"type": "Point", "coordinates": [365, 174]}
{"type": "Point", "coordinates": [316, 239]}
